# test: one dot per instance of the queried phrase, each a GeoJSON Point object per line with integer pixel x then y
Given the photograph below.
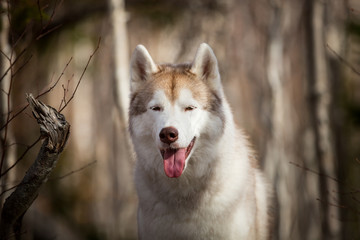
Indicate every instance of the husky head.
{"type": "Point", "coordinates": [174, 107]}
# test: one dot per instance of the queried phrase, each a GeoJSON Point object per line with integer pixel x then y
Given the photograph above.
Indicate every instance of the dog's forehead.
{"type": "Point", "coordinates": [170, 81]}
{"type": "Point", "coordinates": [174, 84]}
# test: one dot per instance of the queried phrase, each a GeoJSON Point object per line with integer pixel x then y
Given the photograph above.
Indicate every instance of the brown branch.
{"type": "Point", "coordinates": [331, 204]}
{"type": "Point", "coordinates": [65, 91]}
{"type": "Point", "coordinates": [343, 60]}
{"type": "Point", "coordinates": [315, 172]}
{"type": "Point", "coordinates": [55, 130]}
{"type": "Point", "coordinates": [22, 66]}
{"type": "Point", "coordinates": [56, 82]}
{"type": "Point", "coordinates": [55, 178]}
{"type": "Point", "coordinates": [11, 63]}
{"type": "Point", "coordinates": [5, 56]}
{"type": "Point", "coordinates": [48, 31]}
{"type": "Point", "coordinates": [44, 29]}
{"type": "Point", "coordinates": [53, 14]}
{"type": "Point", "coordinates": [21, 157]}
{"type": "Point", "coordinates": [9, 189]}
{"type": "Point", "coordinates": [82, 75]}
{"type": "Point", "coordinates": [73, 172]}
{"type": "Point", "coordinates": [39, 95]}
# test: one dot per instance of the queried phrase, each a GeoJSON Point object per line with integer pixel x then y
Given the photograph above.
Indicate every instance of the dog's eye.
{"type": "Point", "coordinates": [189, 108]}
{"type": "Point", "coordinates": [156, 108]}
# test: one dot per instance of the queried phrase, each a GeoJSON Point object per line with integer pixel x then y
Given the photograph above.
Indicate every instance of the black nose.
{"type": "Point", "coordinates": [168, 135]}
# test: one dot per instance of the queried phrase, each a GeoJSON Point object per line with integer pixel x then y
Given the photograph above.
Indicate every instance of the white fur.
{"type": "Point", "coordinates": [219, 195]}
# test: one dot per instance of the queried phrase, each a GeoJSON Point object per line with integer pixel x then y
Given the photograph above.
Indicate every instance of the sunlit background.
{"type": "Point", "coordinates": [290, 69]}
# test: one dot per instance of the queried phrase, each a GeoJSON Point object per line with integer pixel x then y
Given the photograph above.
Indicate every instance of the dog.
{"type": "Point", "coordinates": [196, 176]}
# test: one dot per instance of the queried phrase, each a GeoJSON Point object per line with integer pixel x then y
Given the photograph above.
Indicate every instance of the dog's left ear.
{"type": "Point", "coordinates": [205, 66]}
{"type": "Point", "coordinates": [141, 67]}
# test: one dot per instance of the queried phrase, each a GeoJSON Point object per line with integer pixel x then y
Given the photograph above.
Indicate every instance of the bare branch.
{"type": "Point", "coordinates": [315, 172]}
{"type": "Point", "coordinates": [21, 157]}
{"type": "Point", "coordinates": [55, 130]}
{"type": "Point", "coordinates": [11, 63]}
{"type": "Point", "coordinates": [74, 171]}
{"type": "Point", "coordinates": [82, 75]}
{"type": "Point", "coordinates": [331, 204]}
{"type": "Point", "coordinates": [343, 60]}
{"type": "Point", "coordinates": [39, 95]}
{"type": "Point", "coordinates": [65, 91]}
{"type": "Point", "coordinates": [54, 178]}
{"type": "Point", "coordinates": [57, 81]}
{"type": "Point", "coordinates": [49, 22]}
{"type": "Point", "coordinates": [48, 31]}
{"type": "Point", "coordinates": [22, 66]}
{"type": "Point", "coordinates": [9, 189]}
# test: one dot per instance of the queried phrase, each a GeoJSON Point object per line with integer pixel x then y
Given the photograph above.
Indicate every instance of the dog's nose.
{"type": "Point", "coordinates": [168, 135]}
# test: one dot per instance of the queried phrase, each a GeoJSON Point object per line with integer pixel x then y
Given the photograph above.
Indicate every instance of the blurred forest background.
{"type": "Point", "coordinates": [291, 72]}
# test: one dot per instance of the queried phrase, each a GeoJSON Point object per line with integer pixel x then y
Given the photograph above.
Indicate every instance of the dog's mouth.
{"type": "Point", "coordinates": [174, 159]}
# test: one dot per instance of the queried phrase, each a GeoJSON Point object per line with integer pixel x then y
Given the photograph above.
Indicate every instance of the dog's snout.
{"type": "Point", "coordinates": [168, 135]}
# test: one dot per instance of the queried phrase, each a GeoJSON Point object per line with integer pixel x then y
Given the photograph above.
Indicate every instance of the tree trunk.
{"type": "Point", "coordinates": [7, 152]}
{"type": "Point", "coordinates": [320, 100]}
{"type": "Point", "coordinates": [121, 55]}
{"type": "Point", "coordinates": [116, 198]}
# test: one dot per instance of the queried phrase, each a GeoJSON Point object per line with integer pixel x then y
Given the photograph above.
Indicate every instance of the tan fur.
{"type": "Point", "coordinates": [171, 79]}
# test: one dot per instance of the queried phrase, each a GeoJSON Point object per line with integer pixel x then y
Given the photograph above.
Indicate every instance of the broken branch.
{"type": "Point", "coordinates": [55, 131]}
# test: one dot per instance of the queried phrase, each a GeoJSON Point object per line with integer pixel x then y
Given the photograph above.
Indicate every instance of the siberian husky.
{"type": "Point", "coordinates": [195, 175]}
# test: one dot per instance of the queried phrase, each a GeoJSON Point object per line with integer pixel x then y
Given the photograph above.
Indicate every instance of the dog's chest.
{"type": "Point", "coordinates": [163, 222]}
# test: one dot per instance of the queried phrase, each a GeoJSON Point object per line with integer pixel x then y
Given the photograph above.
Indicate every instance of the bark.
{"type": "Point", "coordinates": [320, 100]}
{"type": "Point", "coordinates": [7, 154]}
{"type": "Point", "coordinates": [55, 130]}
{"type": "Point", "coordinates": [121, 55]}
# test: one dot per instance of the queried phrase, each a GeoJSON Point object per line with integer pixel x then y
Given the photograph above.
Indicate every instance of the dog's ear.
{"type": "Point", "coordinates": [141, 67]}
{"type": "Point", "coordinates": [205, 66]}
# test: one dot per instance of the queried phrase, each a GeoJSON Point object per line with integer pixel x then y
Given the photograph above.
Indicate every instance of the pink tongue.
{"type": "Point", "coordinates": [174, 161]}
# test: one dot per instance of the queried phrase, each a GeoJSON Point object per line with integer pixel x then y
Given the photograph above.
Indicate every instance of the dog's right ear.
{"type": "Point", "coordinates": [141, 67]}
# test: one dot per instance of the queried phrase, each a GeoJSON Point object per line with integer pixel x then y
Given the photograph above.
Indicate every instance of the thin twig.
{"type": "Point", "coordinates": [65, 91]}
{"type": "Point", "coordinates": [53, 13]}
{"type": "Point", "coordinates": [16, 144]}
{"type": "Point", "coordinates": [331, 204]}
{"type": "Point", "coordinates": [48, 31]}
{"type": "Point", "coordinates": [82, 74]}
{"type": "Point", "coordinates": [9, 189]}
{"type": "Point", "coordinates": [49, 22]}
{"type": "Point", "coordinates": [315, 172]}
{"type": "Point", "coordinates": [12, 63]}
{"type": "Point", "coordinates": [21, 157]}
{"type": "Point", "coordinates": [21, 35]}
{"type": "Point", "coordinates": [4, 54]}
{"type": "Point", "coordinates": [57, 80]}
{"type": "Point", "coordinates": [72, 172]}
{"type": "Point", "coordinates": [54, 178]}
{"type": "Point", "coordinates": [14, 116]}
{"type": "Point", "coordinates": [39, 95]}
{"type": "Point", "coordinates": [346, 63]}
{"type": "Point", "coordinates": [22, 66]}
